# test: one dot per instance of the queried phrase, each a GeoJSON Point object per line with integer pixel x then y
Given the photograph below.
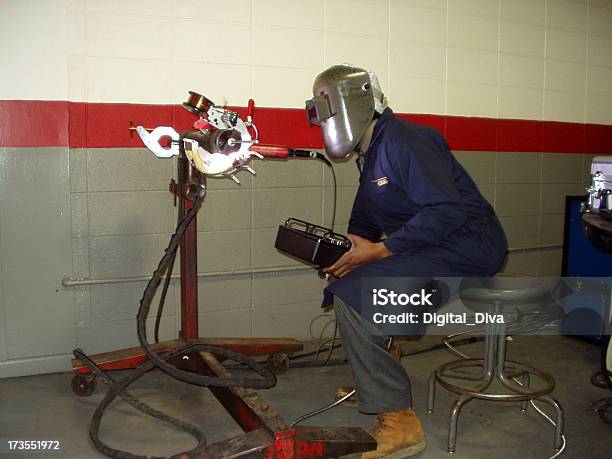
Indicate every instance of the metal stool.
{"type": "Point", "coordinates": [496, 295]}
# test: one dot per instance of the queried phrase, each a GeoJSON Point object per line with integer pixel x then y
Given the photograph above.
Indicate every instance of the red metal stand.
{"type": "Point", "coordinates": [267, 435]}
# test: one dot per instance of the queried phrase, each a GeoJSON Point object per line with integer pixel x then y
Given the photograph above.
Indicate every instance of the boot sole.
{"type": "Point", "coordinates": [409, 451]}
{"type": "Point", "coordinates": [399, 454]}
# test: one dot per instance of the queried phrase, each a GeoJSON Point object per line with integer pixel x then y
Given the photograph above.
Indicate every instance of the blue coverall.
{"type": "Point", "coordinates": [437, 224]}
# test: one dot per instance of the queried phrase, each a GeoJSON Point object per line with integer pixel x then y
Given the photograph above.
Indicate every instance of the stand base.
{"type": "Point", "coordinates": [267, 435]}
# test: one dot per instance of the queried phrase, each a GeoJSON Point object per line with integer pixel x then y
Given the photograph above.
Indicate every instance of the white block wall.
{"type": "Point", "coordinates": [527, 59]}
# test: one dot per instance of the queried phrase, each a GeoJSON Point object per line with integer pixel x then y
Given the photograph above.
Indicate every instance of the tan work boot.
{"type": "Point", "coordinates": [396, 352]}
{"type": "Point", "coordinates": [399, 434]}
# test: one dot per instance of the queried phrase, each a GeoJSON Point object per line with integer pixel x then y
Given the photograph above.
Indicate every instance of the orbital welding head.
{"type": "Point", "coordinates": [345, 101]}
{"type": "Point", "coordinates": [219, 146]}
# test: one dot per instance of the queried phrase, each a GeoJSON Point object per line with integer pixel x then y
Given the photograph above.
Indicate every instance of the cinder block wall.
{"type": "Point", "coordinates": [120, 227]}
{"type": "Point", "coordinates": [98, 213]}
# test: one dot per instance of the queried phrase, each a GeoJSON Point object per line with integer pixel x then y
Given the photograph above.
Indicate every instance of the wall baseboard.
{"type": "Point", "coordinates": [36, 366]}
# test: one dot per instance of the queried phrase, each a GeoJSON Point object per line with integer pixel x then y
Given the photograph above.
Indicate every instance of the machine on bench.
{"type": "Point", "coordinates": [599, 198]}
{"type": "Point", "coordinates": [597, 224]}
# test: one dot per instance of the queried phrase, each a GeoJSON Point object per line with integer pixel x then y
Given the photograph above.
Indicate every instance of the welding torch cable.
{"type": "Point", "coordinates": [325, 315]}
{"type": "Point", "coordinates": [322, 409]}
{"type": "Point", "coordinates": [162, 298]}
{"type": "Point", "coordinates": [267, 378]}
{"type": "Point", "coordinates": [333, 342]}
{"type": "Point", "coordinates": [119, 389]}
{"type": "Point", "coordinates": [535, 407]}
{"type": "Point", "coordinates": [324, 343]}
{"type": "Point", "coordinates": [295, 153]}
{"type": "Point", "coordinates": [168, 278]}
{"type": "Point", "coordinates": [342, 361]}
{"type": "Point", "coordinates": [319, 156]}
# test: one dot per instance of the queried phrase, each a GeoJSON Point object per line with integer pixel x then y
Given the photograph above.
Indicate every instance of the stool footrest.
{"type": "Point", "coordinates": [517, 369]}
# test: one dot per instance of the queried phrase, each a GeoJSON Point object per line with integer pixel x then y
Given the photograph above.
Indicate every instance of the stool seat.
{"type": "Point", "coordinates": [518, 292]}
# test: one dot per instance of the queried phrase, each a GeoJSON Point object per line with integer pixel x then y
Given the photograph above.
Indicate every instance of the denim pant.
{"type": "Point", "coordinates": [381, 382]}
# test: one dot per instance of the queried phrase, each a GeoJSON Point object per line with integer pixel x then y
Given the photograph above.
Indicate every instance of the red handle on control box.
{"type": "Point", "coordinates": [271, 151]}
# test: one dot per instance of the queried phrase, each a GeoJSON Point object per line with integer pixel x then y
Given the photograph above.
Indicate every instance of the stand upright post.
{"type": "Point", "coordinates": [187, 180]}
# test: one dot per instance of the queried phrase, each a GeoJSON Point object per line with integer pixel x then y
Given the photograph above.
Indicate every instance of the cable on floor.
{"type": "Point", "coordinates": [266, 379]}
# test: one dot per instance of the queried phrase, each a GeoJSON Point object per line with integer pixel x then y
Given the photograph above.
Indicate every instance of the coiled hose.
{"type": "Point", "coordinates": [267, 378]}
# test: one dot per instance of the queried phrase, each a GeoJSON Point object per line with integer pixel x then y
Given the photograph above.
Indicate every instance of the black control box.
{"type": "Point", "coordinates": [310, 243]}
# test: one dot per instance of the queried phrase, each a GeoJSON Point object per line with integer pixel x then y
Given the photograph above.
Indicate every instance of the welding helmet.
{"type": "Point", "coordinates": [346, 99]}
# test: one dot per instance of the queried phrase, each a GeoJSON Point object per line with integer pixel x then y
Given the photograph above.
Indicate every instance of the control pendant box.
{"type": "Point", "coordinates": [311, 243]}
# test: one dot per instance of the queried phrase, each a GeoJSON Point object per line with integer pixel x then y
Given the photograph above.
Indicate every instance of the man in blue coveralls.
{"type": "Point", "coordinates": [417, 213]}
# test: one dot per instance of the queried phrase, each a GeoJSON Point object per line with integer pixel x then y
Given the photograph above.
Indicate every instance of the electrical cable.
{"type": "Point", "coordinates": [335, 199]}
{"type": "Point", "coordinates": [538, 409]}
{"type": "Point", "coordinates": [331, 348]}
{"type": "Point", "coordinates": [321, 410]}
{"type": "Point", "coordinates": [322, 158]}
{"type": "Point", "coordinates": [599, 380]}
{"type": "Point", "coordinates": [297, 153]}
{"type": "Point", "coordinates": [601, 407]}
{"type": "Point", "coordinates": [180, 187]}
{"type": "Point", "coordinates": [162, 298]}
{"type": "Point", "coordinates": [266, 379]}
{"type": "Point", "coordinates": [314, 319]}
{"type": "Point", "coordinates": [603, 379]}
{"type": "Point", "coordinates": [329, 406]}
{"type": "Point", "coordinates": [165, 268]}
{"type": "Point", "coordinates": [320, 349]}
{"type": "Point", "coordinates": [324, 343]}
{"type": "Point", "coordinates": [118, 389]}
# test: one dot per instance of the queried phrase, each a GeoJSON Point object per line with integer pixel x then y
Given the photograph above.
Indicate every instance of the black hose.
{"type": "Point", "coordinates": [266, 379]}
{"type": "Point", "coordinates": [178, 193]}
{"type": "Point", "coordinates": [322, 158]}
{"type": "Point", "coordinates": [603, 412]}
{"type": "Point", "coordinates": [343, 361]}
{"type": "Point", "coordinates": [599, 380]}
{"type": "Point", "coordinates": [162, 298]}
{"type": "Point", "coordinates": [118, 389]}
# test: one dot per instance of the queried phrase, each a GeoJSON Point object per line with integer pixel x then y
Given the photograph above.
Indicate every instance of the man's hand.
{"type": "Point", "coordinates": [362, 251]}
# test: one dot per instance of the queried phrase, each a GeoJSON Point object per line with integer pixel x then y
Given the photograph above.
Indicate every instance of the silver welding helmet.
{"type": "Point", "coordinates": [344, 103]}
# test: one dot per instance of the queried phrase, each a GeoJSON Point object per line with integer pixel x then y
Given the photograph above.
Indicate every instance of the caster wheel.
{"type": "Point", "coordinates": [83, 385]}
{"type": "Point", "coordinates": [278, 363]}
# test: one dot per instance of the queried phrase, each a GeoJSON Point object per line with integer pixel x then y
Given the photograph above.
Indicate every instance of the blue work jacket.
{"type": "Point", "coordinates": [414, 195]}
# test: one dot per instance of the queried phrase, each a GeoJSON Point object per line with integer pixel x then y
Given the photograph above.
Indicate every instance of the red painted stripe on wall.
{"type": "Point", "coordinates": [98, 125]}
{"type": "Point", "coordinates": [33, 123]}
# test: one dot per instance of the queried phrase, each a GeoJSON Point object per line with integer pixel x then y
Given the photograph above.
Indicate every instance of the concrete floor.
{"type": "Point", "coordinates": [44, 406]}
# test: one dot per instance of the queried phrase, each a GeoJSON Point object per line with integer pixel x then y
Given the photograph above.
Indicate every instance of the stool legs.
{"type": "Point", "coordinates": [454, 417]}
{"type": "Point", "coordinates": [431, 392]}
{"type": "Point", "coordinates": [514, 376]}
{"type": "Point", "coordinates": [559, 421]}
{"type": "Point", "coordinates": [525, 379]}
